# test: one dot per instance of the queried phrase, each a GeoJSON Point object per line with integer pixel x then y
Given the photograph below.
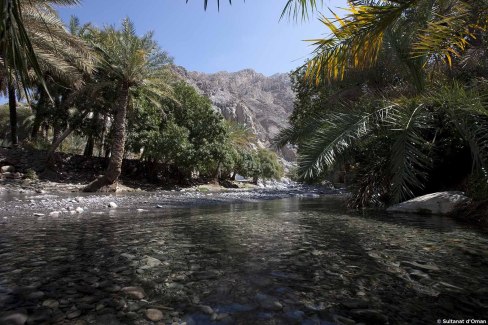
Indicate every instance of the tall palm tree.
{"type": "Point", "coordinates": [138, 68]}
{"type": "Point", "coordinates": [35, 44]}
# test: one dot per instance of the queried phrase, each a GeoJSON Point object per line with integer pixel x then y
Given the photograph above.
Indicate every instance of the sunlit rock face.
{"type": "Point", "coordinates": [248, 97]}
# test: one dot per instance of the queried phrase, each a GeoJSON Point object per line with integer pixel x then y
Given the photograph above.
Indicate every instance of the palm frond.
{"type": "Point", "coordinates": [205, 3]}
{"type": "Point", "coordinates": [409, 159]}
{"type": "Point", "coordinates": [336, 133]}
{"type": "Point", "coordinates": [468, 112]}
{"type": "Point", "coordinates": [300, 8]}
{"type": "Point", "coordinates": [356, 39]}
{"type": "Point", "coordinates": [447, 36]}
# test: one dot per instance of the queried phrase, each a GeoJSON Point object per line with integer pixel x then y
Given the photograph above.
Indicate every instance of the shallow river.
{"type": "Point", "coordinates": [289, 261]}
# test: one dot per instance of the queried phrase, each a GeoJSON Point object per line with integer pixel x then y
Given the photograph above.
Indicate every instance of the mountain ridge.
{"type": "Point", "coordinates": [262, 103]}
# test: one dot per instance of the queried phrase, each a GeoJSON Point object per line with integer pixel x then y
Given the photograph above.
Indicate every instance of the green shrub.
{"type": "Point", "coordinates": [31, 174]}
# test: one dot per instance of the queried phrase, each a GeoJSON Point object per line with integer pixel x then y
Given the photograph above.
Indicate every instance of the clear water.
{"type": "Point", "coordinates": [290, 261]}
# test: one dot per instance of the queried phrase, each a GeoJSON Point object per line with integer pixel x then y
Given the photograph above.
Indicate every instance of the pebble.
{"type": "Point", "coordinates": [268, 302]}
{"type": "Point", "coordinates": [54, 214]}
{"type": "Point", "coordinates": [207, 309]}
{"type": "Point", "coordinates": [341, 320]}
{"type": "Point", "coordinates": [420, 266]}
{"type": "Point", "coordinates": [370, 316]}
{"type": "Point", "coordinates": [134, 292]}
{"type": "Point", "coordinates": [73, 314]}
{"type": "Point", "coordinates": [15, 318]}
{"type": "Point", "coordinates": [51, 303]}
{"type": "Point", "coordinates": [35, 295]}
{"type": "Point", "coordinates": [127, 256]}
{"type": "Point", "coordinates": [79, 210]}
{"type": "Point", "coordinates": [154, 314]}
{"type": "Point", "coordinates": [150, 261]}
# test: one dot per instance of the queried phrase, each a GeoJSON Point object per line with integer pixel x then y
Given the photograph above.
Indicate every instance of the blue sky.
{"type": "Point", "coordinates": [244, 35]}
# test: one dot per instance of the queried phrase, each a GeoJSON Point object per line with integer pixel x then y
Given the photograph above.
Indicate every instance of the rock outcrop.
{"type": "Point", "coordinates": [262, 103]}
{"type": "Point", "coordinates": [435, 203]}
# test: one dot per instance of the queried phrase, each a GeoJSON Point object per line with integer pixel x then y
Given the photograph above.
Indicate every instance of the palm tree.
{"type": "Point", "coordinates": [37, 42]}
{"type": "Point", "coordinates": [138, 68]}
{"type": "Point", "coordinates": [441, 30]}
{"type": "Point", "coordinates": [391, 138]}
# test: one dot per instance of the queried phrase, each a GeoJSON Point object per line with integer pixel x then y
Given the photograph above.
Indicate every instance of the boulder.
{"type": "Point", "coordinates": [112, 205]}
{"type": "Point", "coordinates": [7, 169]}
{"type": "Point", "coordinates": [435, 203]}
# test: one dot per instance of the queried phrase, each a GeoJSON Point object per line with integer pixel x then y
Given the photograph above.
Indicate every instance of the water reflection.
{"type": "Point", "coordinates": [287, 261]}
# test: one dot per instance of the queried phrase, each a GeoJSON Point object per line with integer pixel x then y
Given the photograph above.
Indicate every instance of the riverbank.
{"type": "Point", "coordinates": [57, 204]}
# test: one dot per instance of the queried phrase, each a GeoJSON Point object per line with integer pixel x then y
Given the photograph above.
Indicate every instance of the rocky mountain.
{"type": "Point", "coordinates": [248, 97]}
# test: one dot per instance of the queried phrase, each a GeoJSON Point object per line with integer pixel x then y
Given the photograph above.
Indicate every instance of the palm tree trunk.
{"type": "Point", "coordinates": [12, 104]}
{"type": "Point", "coordinates": [102, 141]}
{"type": "Point", "coordinates": [90, 146]}
{"type": "Point", "coordinates": [40, 113]}
{"type": "Point", "coordinates": [117, 151]}
{"type": "Point", "coordinates": [57, 131]}
{"type": "Point", "coordinates": [59, 140]}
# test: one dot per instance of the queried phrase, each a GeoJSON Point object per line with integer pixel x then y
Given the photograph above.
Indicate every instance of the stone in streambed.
{"type": "Point", "coordinates": [15, 318]}
{"type": "Point", "coordinates": [134, 292]}
{"type": "Point", "coordinates": [73, 314]}
{"type": "Point", "coordinates": [35, 295]}
{"type": "Point", "coordinates": [154, 314]}
{"type": "Point", "coordinates": [341, 320]}
{"type": "Point", "coordinates": [268, 302]}
{"type": "Point", "coordinates": [207, 309]}
{"type": "Point", "coordinates": [420, 266]}
{"type": "Point", "coordinates": [150, 261]}
{"type": "Point", "coordinates": [369, 316]}
{"type": "Point", "coordinates": [79, 210]}
{"type": "Point", "coordinates": [112, 205]}
{"type": "Point", "coordinates": [50, 303]}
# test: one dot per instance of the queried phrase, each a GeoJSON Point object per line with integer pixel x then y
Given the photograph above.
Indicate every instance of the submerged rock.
{"type": "Point", "coordinates": [134, 292]}
{"type": "Point", "coordinates": [435, 203]}
{"type": "Point", "coordinates": [154, 314]}
{"type": "Point", "coordinates": [16, 318]}
{"type": "Point", "coordinates": [268, 302]}
{"type": "Point", "coordinates": [370, 316]}
{"type": "Point", "coordinates": [54, 214]}
{"type": "Point", "coordinates": [149, 261]}
{"type": "Point", "coordinates": [50, 303]}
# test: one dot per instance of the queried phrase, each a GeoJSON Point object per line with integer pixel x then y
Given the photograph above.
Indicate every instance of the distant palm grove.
{"type": "Point", "coordinates": [395, 99]}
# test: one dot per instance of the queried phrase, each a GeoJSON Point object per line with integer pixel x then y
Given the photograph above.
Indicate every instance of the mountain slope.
{"type": "Point", "coordinates": [248, 97]}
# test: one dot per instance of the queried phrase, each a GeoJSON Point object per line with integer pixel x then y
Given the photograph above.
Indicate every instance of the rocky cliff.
{"type": "Point", "coordinates": [248, 97]}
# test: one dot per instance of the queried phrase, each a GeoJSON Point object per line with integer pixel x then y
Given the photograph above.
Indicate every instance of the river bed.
{"type": "Point", "coordinates": [294, 260]}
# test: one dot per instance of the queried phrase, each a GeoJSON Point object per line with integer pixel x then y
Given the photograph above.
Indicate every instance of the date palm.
{"type": "Point", "coordinates": [137, 67]}
{"type": "Point", "coordinates": [34, 43]}
{"type": "Point", "coordinates": [441, 30]}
